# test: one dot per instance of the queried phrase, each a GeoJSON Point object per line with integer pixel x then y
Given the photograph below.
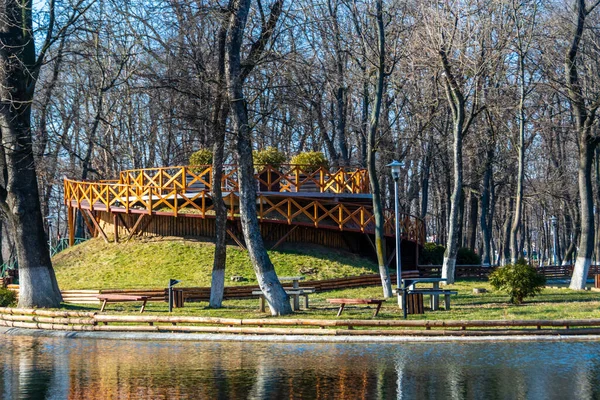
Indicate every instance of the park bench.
{"type": "Point", "coordinates": [294, 293]}
{"type": "Point", "coordinates": [343, 302]}
{"type": "Point", "coordinates": [121, 298]}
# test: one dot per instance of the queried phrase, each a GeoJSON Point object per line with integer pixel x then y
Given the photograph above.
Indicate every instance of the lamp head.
{"type": "Point", "coordinates": [395, 167]}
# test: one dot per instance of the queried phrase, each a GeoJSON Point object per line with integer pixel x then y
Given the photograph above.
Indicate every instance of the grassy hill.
{"type": "Point", "coordinates": [151, 262]}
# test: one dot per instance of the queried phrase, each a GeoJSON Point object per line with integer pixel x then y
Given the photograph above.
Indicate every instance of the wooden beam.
{"type": "Point", "coordinates": [235, 239]}
{"type": "Point", "coordinates": [370, 241]}
{"type": "Point", "coordinates": [116, 227]}
{"type": "Point", "coordinates": [389, 261]}
{"type": "Point", "coordinates": [284, 237]}
{"type": "Point", "coordinates": [87, 223]}
{"type": "Point", "coordinates": [97, 226]}
{"type": "Point", "coordinates": [124, 223]}
{"type": "Point", "coordinates": [136, 225]}
{"type": "Point", "coordinates": [71, 224]}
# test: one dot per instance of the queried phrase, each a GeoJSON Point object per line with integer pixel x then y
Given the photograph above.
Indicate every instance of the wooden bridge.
{"type": "Point", "coordinates": [337, 200]}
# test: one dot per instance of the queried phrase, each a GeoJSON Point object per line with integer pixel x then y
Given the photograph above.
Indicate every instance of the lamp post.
{"type": "Point", "coordinates": [553, 221]}
{"type": "Point", "coordinates": [50, 219]}
{"type": "Point", "coordinates": [395, 167]}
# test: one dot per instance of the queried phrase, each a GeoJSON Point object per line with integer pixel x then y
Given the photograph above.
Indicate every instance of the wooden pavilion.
{"type": "Point", "coordinates": [325, 207]}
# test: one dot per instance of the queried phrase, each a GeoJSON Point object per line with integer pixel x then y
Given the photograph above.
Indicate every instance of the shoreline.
{"type": "Point", "coordinates": [224, 337]}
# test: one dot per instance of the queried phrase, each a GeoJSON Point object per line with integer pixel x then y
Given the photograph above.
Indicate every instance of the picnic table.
{"type": "Point", "coordinates": [121, 298]}
{"type": "Point", "coordinates": [409, 286]}
{"type": "Point", "coordinates": [294, 293]}
{"type": "Point", "coordinates": [343, 302]}
{"type": "Point", "coordinates": [295, 285]}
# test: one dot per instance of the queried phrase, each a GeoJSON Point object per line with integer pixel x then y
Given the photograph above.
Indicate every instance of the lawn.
{"type": "Point", "coordinates": [151, 262]}
{"type": "Point", "coordinates": [550, 304]}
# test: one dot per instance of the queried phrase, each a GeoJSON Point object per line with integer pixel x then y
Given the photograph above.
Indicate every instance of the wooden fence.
{"type": "Point", "coordinates": [482, 272]}
{"type": "Point", "coordinates": [286, 178]}
{"type": "Point", "coordinates": [245, 292]}
{"type": "Point", "coordinates": [95, 322]}
{"type": "Point", "coordinates": [186, 191]}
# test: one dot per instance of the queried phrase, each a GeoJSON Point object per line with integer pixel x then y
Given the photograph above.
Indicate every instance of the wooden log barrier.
{"type": "Point", "coordinates": [90, 321]}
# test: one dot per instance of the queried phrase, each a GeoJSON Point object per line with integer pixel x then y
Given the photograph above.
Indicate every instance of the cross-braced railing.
{"type": "Point", "coordinates": [186, 190]}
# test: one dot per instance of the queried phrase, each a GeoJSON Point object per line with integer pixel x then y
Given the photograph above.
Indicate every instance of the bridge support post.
{"type": "Point", "coordinates": [71, 222]}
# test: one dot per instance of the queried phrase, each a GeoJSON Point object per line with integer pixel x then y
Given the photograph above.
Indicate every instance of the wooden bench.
{"type": "Point", "coordinates": [121, 298]}
{"type": "Point", "coordinates": [294, 294]}
{"type": "Point", "coordinates": [343, 302]}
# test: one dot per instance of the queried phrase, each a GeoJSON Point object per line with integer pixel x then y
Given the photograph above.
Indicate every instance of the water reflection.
{"type": "Point", "coordinates": [33, 368]}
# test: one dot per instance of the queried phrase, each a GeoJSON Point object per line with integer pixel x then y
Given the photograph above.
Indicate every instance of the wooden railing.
{"type": "Point", "coordinates": [183, 190]}
{"type": "Point", "coordinates": [287, 178]}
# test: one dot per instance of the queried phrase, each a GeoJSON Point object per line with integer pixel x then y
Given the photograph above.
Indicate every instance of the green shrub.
{"type": "Point", "coordinates": [269, 156]}
{"type": "Point", "coordinates": [8, 298]}
{"type": "Point", "coordinates": [519, 280]}
{"type": "Point", "coordinates": [466, 256]}
{"type": "Point", "coordinates": [310, 161]}
{"type": "Point", "coordinates": [432, 254]}
{"type": "Point", "coordinates": [201, 157]}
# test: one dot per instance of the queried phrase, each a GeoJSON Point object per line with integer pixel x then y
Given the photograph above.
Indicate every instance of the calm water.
{"type": "Point", "coordinates": [52, 368]}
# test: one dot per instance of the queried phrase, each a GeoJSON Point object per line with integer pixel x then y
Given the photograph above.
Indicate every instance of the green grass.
{"type": "Point", "coordinates": [550, 304]}
{"type": "Point", "coordinates": [151, 262]}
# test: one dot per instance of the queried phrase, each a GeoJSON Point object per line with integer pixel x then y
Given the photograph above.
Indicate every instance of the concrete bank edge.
{"type": "Point", "coordinates": [218, 337]}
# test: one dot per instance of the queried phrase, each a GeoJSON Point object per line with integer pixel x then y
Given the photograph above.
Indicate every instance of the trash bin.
{"type": "Point", "coordinates": [414, 303]}
{"type": "Point", "coordinates": [178, 298]}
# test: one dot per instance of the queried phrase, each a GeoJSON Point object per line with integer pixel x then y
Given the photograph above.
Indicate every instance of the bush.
{"type": "Point", "coordinates": [466, 256]}
{"type": "Point", "coordinates": [432, 254]}
{"type": "Point", "coordinates": [269, 156]}
{"type": "Point", "coordinates": [310, 161]}
{"type": "Point", "coordinates": [201, 157]}
{"type": "Point", "coordinates": [520, 280]}
{"type": "Point", "coordinates": [7, 298]}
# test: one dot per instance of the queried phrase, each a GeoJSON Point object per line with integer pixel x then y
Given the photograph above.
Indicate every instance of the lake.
{"type": "Point", "coordinates": [60, 368]}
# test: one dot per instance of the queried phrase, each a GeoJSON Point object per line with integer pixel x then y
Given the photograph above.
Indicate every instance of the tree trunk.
{"type": "Point", "coordinates": [449, 264]}
{"type": "Point", "coordinates": [515, 251]}
{"type": "Point", "coordinates": [425, 174]}
{"type": "Point", "coordinates": [217, 286]}
{"type": "Point", "coordinates": [265, 272]}
{"type": "Point", "coordinates": [371, 160]}
{"type": "Point", "coordinates": [584, 121]}
{"type": "Point", "coordinates": [19, 195]}
{"type": "Point", "coordinates": [586, 240]}
{"type": "Point", "coordinates": [473, 213]}
{"type": "Point", "coordinates": [486, 234]}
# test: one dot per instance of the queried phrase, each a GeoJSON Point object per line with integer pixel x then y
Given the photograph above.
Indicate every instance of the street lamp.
{"type": "Point", "coordinates": [395, 168]}
{"type": "Point", "coordinates": [50, 219]}
{"type": "Point", "coordinates": [553, 221]}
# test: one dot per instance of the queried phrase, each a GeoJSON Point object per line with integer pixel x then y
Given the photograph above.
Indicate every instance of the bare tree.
{"type": "Point", "coordinates": [265, 272]}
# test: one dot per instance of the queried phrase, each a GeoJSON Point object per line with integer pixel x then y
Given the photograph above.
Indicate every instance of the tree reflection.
{"type": "Point", "coordinates": [100, 369]}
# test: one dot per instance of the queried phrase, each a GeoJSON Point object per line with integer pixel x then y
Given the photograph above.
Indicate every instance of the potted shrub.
{"type": "Point", "coordinates": [308, 163]}
{"type": "Point", "coordinates": [269, 177]}
{"type": "Point", "coordinates": [198, 162]}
